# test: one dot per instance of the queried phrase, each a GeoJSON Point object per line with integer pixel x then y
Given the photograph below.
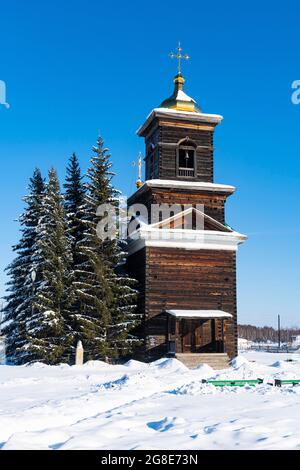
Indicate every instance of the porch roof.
{"type": "Point", "coordinates": [199, 314]}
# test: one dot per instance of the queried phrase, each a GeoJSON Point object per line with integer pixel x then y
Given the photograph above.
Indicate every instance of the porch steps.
{"type": "Point", "coordinates": [214, 360]}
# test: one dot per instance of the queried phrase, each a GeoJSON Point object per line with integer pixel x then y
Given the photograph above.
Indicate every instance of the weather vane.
{"type": "Point", "coordinates": [179, 57]}
{"type": "Point", "coordinates": [139, 164]}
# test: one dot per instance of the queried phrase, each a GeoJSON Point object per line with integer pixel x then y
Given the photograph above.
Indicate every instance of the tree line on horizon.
{"type": "Point", "coordinates": [259, 334]}
{"type": "Point", "coordinates": [65, 284]}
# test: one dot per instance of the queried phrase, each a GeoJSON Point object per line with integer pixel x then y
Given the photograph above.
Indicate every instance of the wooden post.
{"type": "Point", "coordinates": [168, 333]}
{"type": "Point", "coordinates": [79, 354]}
{"type": "Point", "coordinates": [223, 326]}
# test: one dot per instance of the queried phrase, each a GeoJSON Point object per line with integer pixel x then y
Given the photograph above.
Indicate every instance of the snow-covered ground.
{"type": "Point", "coordinates": [158, 406]}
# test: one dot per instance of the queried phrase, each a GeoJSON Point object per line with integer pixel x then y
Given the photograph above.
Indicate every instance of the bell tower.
{"type": "Point", "coordinates": [186, 271]}
{"type": "Point", "coordinates": [179, 139]}
{"type": "Point", "coordinates": [179, 145]}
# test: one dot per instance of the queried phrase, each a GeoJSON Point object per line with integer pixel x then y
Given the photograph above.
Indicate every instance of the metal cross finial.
{"type": "Point", "coordinates": [179, 56]}
{"type": "Point", "coordinates": [139, 164]}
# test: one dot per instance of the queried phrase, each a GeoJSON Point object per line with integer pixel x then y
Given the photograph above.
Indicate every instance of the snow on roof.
{"type": "Point", "coordinates": [199, 314]}
{"type": "Point", "coordinates": [183, 96]}
{"type": "Point", "coordinates": [190, 185]}
{"type": "Point", "coordinates": [203, 117]}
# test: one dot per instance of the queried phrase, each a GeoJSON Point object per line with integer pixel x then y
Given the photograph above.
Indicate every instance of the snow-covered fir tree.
{"type": "Point", "coordinates": [125, 317]}
{"type": "Point", "coordinates": [107, 297]}
{"type": "Point", "coordinates": [74, 206]}
{"type": "Point", "coordinates": [20, 296]}
{"type": "Point", "coordinates": [49, 334]}
{"type": "Point", "coordinates": [74, 200]}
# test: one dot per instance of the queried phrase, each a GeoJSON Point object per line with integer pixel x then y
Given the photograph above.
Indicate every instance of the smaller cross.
{"type": "Point", "coordinates": [139, 164]}
{"type": "Point", "coordinates": [179, 57]}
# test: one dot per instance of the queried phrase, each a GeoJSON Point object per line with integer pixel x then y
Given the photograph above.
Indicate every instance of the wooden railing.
{"type": "Point", "coordinates": [186, 172]}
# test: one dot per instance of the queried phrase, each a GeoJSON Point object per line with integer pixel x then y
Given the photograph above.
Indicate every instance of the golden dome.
{"type": "Point", "coordinates": [179, 100]}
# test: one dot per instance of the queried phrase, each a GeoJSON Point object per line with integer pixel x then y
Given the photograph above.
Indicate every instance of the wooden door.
{"type": "Point", "coordinates": [196, 335]}
{"type": "Point", "coordinates": [204, 336]}
{"type": "Point", "coordinates": [187, 335]}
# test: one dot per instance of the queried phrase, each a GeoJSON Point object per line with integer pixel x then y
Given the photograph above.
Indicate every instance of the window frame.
{"type": "Point", "coordinates": [186, 144]}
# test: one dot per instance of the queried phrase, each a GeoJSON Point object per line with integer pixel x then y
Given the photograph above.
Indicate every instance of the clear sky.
{"type": "Point", "coordinates": [74, 68]}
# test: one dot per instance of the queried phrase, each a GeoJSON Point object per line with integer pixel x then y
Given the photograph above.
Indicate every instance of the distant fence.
{"type": "Point", "coordinates": [274, 349]}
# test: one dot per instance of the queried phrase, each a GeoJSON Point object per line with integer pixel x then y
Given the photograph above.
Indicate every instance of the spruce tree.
{"type": "Point", "coordinates": [107, 298]}
{"type": "Point", "coordinates": [74, 206]}
{"type": "Point", "coordinates": [74, 200]}
{"type": "Point", "coordinates": [20, 297]}
{"type": "Point", "coordinates": [49, 333]}
{"type": "Point", "coordinates": [124, 315]}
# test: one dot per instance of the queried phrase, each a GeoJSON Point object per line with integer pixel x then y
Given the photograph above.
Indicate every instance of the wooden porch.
{"type": "Point", "coordinates": [198, 337]}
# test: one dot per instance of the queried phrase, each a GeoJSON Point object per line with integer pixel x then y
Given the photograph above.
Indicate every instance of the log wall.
{"type": "Point", "coordinates": [214, 203]}
{"type": "Point", "coordinates": [183, 279]}
{"type": "Point", "coordinates": [166, 134]}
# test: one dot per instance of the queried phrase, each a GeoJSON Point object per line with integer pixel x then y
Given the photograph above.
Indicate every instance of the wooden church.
{"type": "Point", "coordinates": [184, 258]}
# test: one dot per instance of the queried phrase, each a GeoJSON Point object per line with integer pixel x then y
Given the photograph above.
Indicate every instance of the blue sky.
{"type": "Point", "coordinates": [73, 69]}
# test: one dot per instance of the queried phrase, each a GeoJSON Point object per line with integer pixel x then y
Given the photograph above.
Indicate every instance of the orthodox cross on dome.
{"type": "Point", "coordinates": [179, 100]}
{"type": "Point", "coordinates": [179, 56]}
{"type": "Point", "coordinates": [139, 164]}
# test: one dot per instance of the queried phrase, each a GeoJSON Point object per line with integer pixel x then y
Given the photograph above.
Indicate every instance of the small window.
{"type": "Point", "coordinates": [186, 158]}
{"type": "Point", "coordinates": [186, 161]}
